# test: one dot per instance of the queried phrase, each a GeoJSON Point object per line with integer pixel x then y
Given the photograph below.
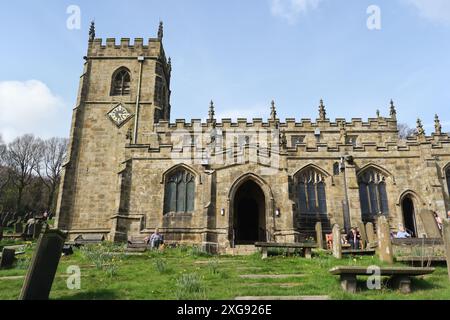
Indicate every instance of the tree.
{"type": "Point", "coordinates": [4, 174]}
{"type": "Point", "coordinates": [49, 165]}
{"type": "Point", "coordinates": [404, 131]}
{"type": "Point", "coordinates": [22, 157]}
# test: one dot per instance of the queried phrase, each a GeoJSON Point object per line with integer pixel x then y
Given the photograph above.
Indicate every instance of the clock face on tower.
{"type": "Point", "coordinates": [119, 115]}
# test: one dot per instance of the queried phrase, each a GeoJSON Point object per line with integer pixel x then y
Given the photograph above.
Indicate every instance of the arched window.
{"type": "Point", "coordinates": [179, 192]}
{"type": "Point", "coordinates": [311, 194]}
{"type": "Point", "coordinates": [373, 194]}
{"type": "Point", "coordinates": [447, 175]}
{"type": "Point", "coordinates": [121, 82]}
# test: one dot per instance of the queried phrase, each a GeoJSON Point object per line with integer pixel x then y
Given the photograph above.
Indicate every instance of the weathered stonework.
{"type": "Point", "coordinates": [114, 181]}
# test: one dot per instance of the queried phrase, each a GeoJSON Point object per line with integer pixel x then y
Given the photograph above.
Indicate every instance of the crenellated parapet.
{"type": "Point", "coordinates": [111, 47]}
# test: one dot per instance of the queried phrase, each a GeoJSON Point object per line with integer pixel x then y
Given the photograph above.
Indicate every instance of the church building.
{"type": "Point", "coordinates": [222, 184]}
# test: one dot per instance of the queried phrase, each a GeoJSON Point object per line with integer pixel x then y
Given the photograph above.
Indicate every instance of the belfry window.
{"type": "Point", "coordinates": [121, 83]}
{"type": "Point", "coordinates": [373, 194]}
{"type": "Point", "coordinates": [311, 192]}
{"type": "Point", "coordinates": [179, 192]}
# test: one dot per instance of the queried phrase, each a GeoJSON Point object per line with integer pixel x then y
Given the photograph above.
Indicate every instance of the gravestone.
{"type": "Point", "coordinates": [337, 245]}
{"type": "Point", "coordinates": [384, 240]}
{"type": "Point", "coordinates": [18, 228]}
{"type": "Point", "coordinates": [319, 235]}
{"type": "Point", "coordinates": [429, 224]}
{"type": "Point", "coordinates": [362, 232]}
{"type": "Point", "coordinates": [41, 273]}
{"type": "Point", "coordinates": [446, 237]}
{"type": "Point", "coordinates": [7, 258]}
{"type": "Point", "coordinates": [370, 233]}
{"type": "Point", "coordinates": [37, 228]}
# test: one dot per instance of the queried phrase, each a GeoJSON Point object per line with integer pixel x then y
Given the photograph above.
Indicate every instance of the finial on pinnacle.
{"type": "Point", "coordinates": [393, 111]}
{"type": "Point", "coordinates": [322, 111]}
{"type": "Point", "coordinates": [161, 30]}
{"type": "Point", "coordinates": [273, 111]}
{"type": "Point", "coordinates": [211, 112]}
{"type": "Point", "coordinates": [378, 113]}
{"type": "Point", "coordinates": [420, 130]}
{"type": "Point", "coordinates": [437, 125]}
{"type": "Point", "coordinates": [169, 63]}
{"type": "Point", "coordinates": [92, 31]}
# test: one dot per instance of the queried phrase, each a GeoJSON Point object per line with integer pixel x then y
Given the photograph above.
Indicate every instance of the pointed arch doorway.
{"type": "Point", "coordinates": [248, 220]}
{"type": "Point", "coordinates": [409, 215]}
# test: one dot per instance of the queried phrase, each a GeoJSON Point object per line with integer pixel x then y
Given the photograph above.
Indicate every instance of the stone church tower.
{"type": "Point", "coordinates": [223, 184]}
{"type": "Point", "coordinates": [124, 91]}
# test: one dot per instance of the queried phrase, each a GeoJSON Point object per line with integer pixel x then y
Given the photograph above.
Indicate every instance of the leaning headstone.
{"type": "Point", "coordinates": [42, 270]}
{"type": "Point", "coordinates": [7, 258]}
{"type": "Point", "coordinates": [18, 228]}
{"type": "Point", "coordinates": [319, 235]}
{"type": "Point", "coordinates": [370, 233]}
{"type": "Point", "coordinates": [384, 240]}
{"type": "Point", "coordinates": [429, 224]}
{"type": "Point", "coordinates": [446, 237]}
{"type": "Point", "coordinates": [337, 245]}
{"type": "Point", "coordinates": [362, 232]}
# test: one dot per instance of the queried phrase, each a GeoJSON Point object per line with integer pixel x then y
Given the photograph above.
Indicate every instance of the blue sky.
{"type": "Point", "coordinates": [241, 54]}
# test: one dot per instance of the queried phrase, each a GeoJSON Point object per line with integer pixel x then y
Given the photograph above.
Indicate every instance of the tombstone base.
{"type": "Point", "coordinates": [403, 284]}
{"type": "Point", "coordinates": [348, 283]}
{"type": "Point", "coordinates": [264, 252]}
{"type": "Point", "coordinates": [308, 253]}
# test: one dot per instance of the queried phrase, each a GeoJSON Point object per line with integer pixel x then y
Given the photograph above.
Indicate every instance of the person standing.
{"type": "Point", "coordinates": [354, 238]}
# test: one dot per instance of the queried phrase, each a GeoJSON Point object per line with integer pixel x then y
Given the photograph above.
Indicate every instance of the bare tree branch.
{"type": "Point", "coordinates": [22, 156]}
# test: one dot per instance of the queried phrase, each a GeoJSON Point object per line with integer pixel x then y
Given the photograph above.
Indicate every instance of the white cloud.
{"type": "Point", "coordinates": [292, 9]}
{"type": "Point", "coordinates": [435, 10]}
{"type": "Point", "coordinates": [28, 107]}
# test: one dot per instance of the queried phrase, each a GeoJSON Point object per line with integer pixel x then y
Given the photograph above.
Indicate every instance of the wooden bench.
{"type": "Point", "coordinates": [365, 252]}
{"type": "Point", "coordinates": [401, 276]}
{"type": "Point", "coordinates": [306, 247]}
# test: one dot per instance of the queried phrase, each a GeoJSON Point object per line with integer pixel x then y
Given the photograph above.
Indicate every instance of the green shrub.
{"type": "Point", "coordinates": [189, 287]}
{"type": "Point", "coordinates": [161, 266]}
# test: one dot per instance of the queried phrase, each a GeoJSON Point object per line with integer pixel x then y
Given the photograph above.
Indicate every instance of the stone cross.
{"type": "Point", "coordinates": [384, 240]}
{"type": "Point", "coordinates": [446, 236]}
{"type": "Point", "coordinates": [41, 273]}
{"type": "Point", "coordinates": [337, 245]}
{"type": "Point", "coordinates": [362, 232]}
{"type": "Point", "coordinates": [319, 235]}
{"type": "Point", "coordinates": [370, 232]}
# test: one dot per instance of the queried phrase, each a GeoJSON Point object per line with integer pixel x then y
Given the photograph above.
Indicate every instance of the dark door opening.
{"type": "Point", "coordinates": [249, 214]}
{"type": "Point", "coordinates": [409, 216]}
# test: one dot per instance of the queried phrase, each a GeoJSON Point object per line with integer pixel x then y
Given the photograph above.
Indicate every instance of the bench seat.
{"type": "Point", "coordinates": [306, 247]}
{"type": "Point", "coordinates": [401, 276]}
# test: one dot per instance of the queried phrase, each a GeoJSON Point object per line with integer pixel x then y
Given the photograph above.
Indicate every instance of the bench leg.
{"type": "Point", "coordinates": [348, 282]}
{"type": "Point", "coordinates": [402, 283]}
{"type": "Point", "coordinates": [264, 252]}
{"type": "Point", "coordinates": [308, 253]}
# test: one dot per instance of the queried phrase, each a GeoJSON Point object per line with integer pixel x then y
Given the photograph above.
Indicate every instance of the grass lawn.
{"type": "Point", "coordinates": [186, 273]}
